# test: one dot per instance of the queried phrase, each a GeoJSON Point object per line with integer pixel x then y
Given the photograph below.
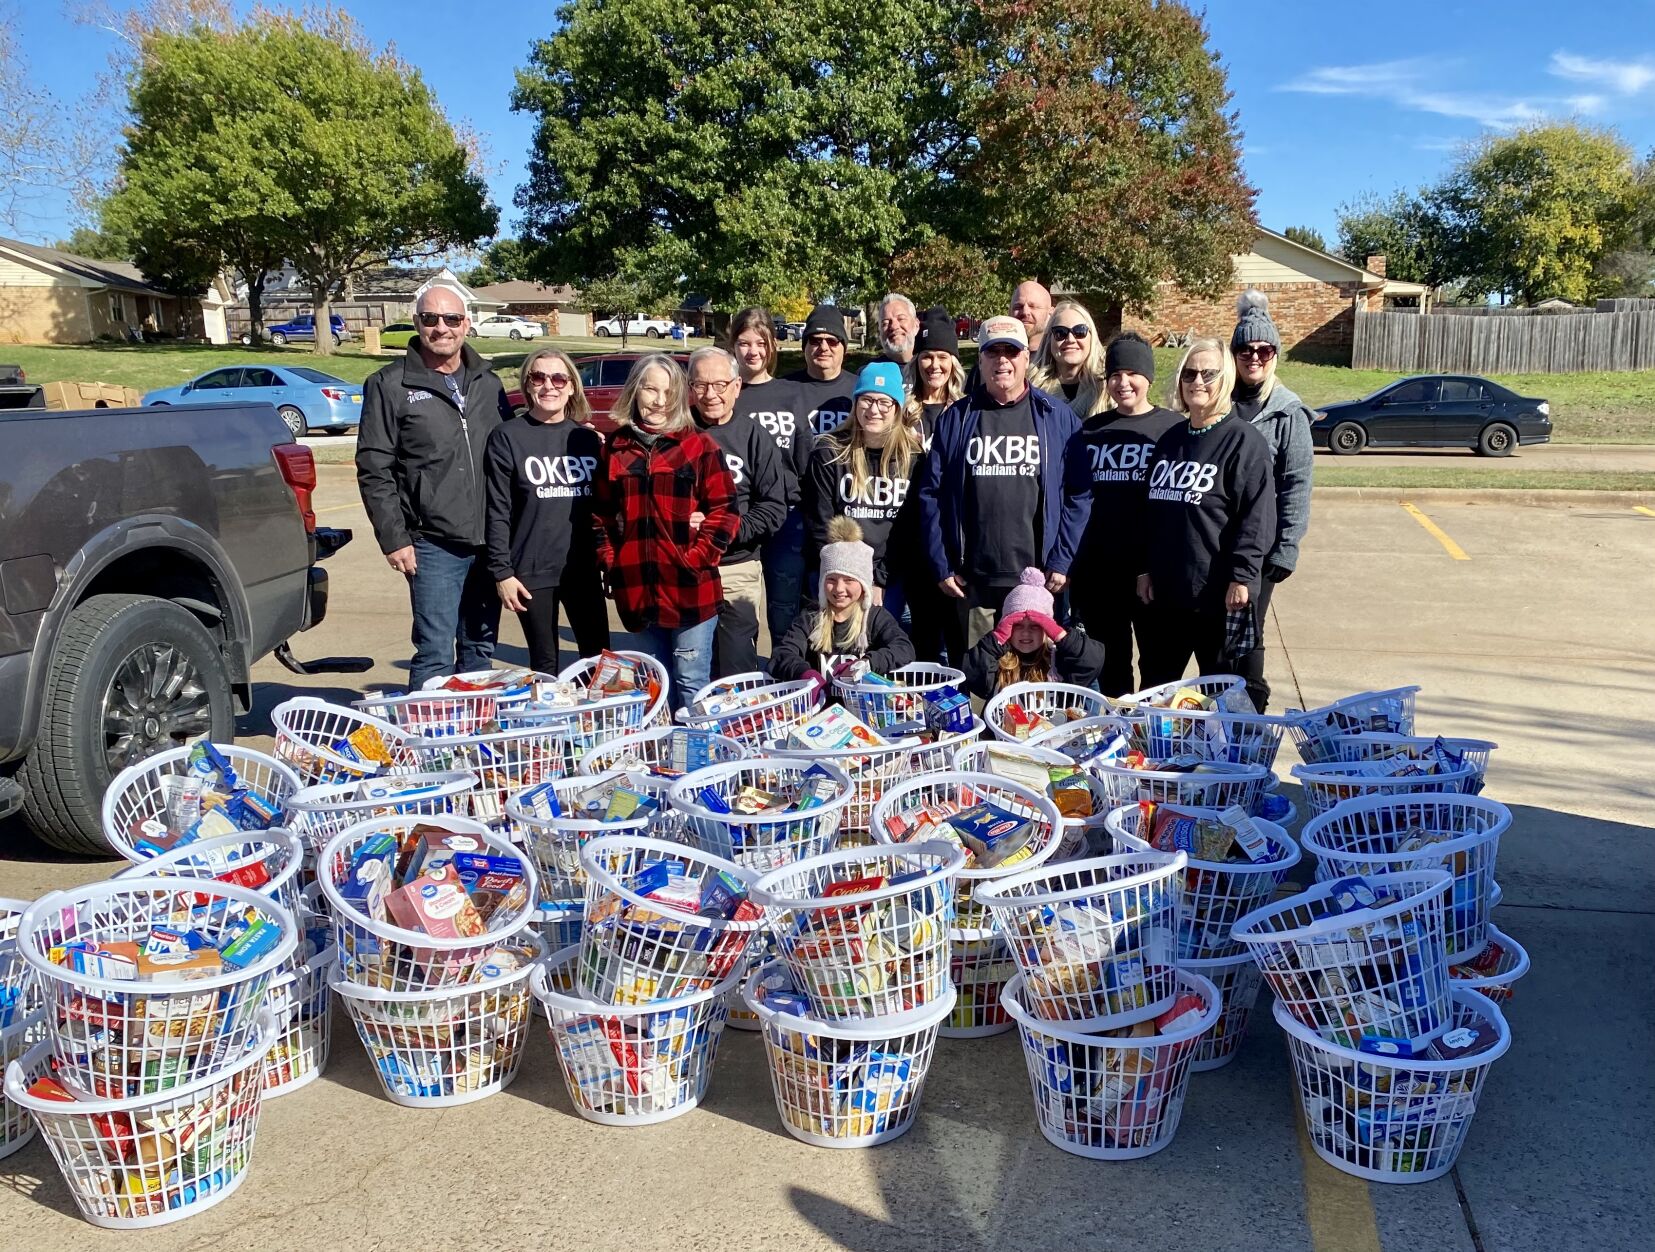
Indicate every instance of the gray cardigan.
{"type": "Point", "coordinates": [1284, 421]}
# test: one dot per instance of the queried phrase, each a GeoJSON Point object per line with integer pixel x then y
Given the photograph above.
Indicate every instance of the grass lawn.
{"type": "Point", "coordinates": [1586, 408]}
{"type": "Point", "coordinates": [1476, 479]}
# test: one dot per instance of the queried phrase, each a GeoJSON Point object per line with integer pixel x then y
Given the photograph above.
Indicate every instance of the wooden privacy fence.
{"type": "Point", "coordinates": [1427, 344]}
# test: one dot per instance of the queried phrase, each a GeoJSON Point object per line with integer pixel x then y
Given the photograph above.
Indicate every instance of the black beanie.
{"type": "Point", "coordinates": [937, 333]}
{"type": "Point", "coordinates": [826, 319]}
{"type": "Point", "coordinates": [1131, 354]}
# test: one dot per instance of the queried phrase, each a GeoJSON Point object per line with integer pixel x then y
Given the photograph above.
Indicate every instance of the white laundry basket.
{"type": "Point", "coordinates": [900, 700]}
{"type": "Point", "coordinates": [657, 713]}
{"type": "Point", "coordinates": [555, 842]}
{"type": "Point", "coordinates": [317, 814]}
{"type": "Point", "coordinates": [274, 856]}
{"type": "Point", "coordinates": [116, 1037]}
{"type": "Point", "coordinates": [1339, 782]}
{"type": "Point", "coordinates": [1237, 980]}
{"type": "Point", "coordinates": [634, 1065]}
{"type": "Point", "coordinates": [752, 712]}
{"type": "Point", "coordinates": [1316, 731]}
{"type": "Point", "coordinates": [1113, 1097]}
{"type": "Point", "coordinates": [315, 739]}
{"type": "Point", "coordinates": [760, 841]}
{"type": "Point", "coordinates": [1059, 703]}
{"type": "Point", "coordinates": [125, 1160]}
{"type": "Point", "coordinates": [1096, 939]}
{"type": "Point", "coordinates": [848, 1083]}
{"type": "Point", "coordinates": [140, 792]}
{"type": "Point", "coordinates": [1389, 1119]}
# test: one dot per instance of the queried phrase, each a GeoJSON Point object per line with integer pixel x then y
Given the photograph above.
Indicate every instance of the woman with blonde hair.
{"type": "Point", "coordinates": [864, 471]}
{"type": "Point", "coordinates": [939, 376]}
{"type": "Point", "coordinates": [538, 472]}
{"type": "Point", "coordinates": [1208, 520]}
{"type": "Point", "coordinates": [1070, 361]}
{"type": "Point", "coordinates": [664, 514]}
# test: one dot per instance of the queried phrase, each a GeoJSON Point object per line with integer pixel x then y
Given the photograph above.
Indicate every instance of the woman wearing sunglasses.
{"type": "Point", "coordinates": [1069, 362]}
{"type": "Point", "coordinates": [1209, 518]}
{"type": "Point", "coordinates": [1284, 421]}
{"type": "Point", "coordinates": [539, 470]}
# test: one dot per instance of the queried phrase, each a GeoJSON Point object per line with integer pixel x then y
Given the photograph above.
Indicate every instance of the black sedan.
{"type": "Point", "coordinates": [1435, 411]}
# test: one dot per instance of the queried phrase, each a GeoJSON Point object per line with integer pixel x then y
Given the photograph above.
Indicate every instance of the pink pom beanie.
{"type": "Point", "coordinates": [1029, 593]}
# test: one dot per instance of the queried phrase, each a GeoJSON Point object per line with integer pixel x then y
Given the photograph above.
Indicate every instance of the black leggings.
{"type": "Point", "coordinates": [1109, 608]}
{"type": "Point", "coordinates": [1252, 665]}
{"type": "Point", "coordinates": [1172, 635]}
{"type": "Point", "coordinates": [588, 614]}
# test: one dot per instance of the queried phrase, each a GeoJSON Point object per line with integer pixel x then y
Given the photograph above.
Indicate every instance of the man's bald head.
{"type": "Point", "coordinates": [1031, 304]}
{"type": "Point", "coordinates": [440, 344]}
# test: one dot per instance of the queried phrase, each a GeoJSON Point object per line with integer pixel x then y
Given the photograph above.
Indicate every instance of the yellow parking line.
{"type": "Point", "coordinates": [1441, 536]}
{"type": "Point", "coordinates": [1337, 1207]}
{"type": "Point", "coordinates": [1638, 508]}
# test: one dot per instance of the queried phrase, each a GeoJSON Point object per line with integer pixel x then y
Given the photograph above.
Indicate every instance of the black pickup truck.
{"type": "Point", "coordinates": [147, 558]}
{"type": "Point", "coordinates": [17, 392]}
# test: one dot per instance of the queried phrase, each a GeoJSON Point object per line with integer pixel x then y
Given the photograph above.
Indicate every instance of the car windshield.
{"type": "Point", "coordinates": [316, 376]}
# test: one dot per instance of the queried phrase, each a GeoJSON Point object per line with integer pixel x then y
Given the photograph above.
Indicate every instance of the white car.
{"type": "Point", "coordinates": [505, 326]}
{"type": "Point", "coordinates": [648, 327]}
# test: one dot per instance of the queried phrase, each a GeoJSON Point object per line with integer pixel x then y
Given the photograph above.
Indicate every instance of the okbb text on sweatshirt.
{"type": "Point", "coordinates": [539, 512]}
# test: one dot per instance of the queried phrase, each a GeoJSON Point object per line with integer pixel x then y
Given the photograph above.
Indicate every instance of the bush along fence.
{"type": "Point", "coordinates": [1411, 343]}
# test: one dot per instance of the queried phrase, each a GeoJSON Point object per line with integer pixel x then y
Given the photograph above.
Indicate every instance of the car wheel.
{"type": "Point", "coordinates": [516, 334]}
{"type": "Point", "coordinates": [1497, 439]}
{"type": "Point", "coordinates": [337, 341]}
{"type": "Point", "coordinates": [471, 332]}
{"type": "Point", "coordinates": [602, 332]}
{"type": "Point", "coordinates": [1347, 439]}
{"type": "Point", "coordinates": [130, 676]}
{"type": "Point", "coordinates": [295, 420]}
{"type": "Point", "coordinates": [246, 340]}
{"type": "Point", "coordinates": [279, 339]}
{"type": "Point", "coordinates": [652, 333]}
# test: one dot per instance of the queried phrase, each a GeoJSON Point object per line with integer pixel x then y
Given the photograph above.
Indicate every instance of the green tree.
{"type": "Point", "coordinates": [293, 139]}
{"type": "Point", "coordinates": [753, 147]}
{"type": "Point", "coordinates": [1307, 237]}
{"type": "Point", "coordinates": [960, 277]}
{"type": "Point", "coordinates": [503, 261]}
{"type": "Point", "coordinates": [632, 291]}
{"type": "Point", "coordinates": [96, 242]}
{"type": "Point", "coordinates": [1533, 213]}
{"type": "Point", "coordinates": [1106, 153]}
{"type": "Point", "coordinates": [1406, 230]}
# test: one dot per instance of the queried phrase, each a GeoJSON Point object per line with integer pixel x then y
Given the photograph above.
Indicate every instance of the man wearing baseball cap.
{"type": "Point", "coordinates": [1001, 490]}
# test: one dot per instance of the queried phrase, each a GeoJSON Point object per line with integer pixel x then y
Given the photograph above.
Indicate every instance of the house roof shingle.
{"type": "Point", "coordinates": [108, 273]}
{"type": "Point", "coordinates": [519, 291]}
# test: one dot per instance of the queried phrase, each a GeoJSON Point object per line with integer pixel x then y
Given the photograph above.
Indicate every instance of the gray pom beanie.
{"type": "Point", "coordinates": [1253, 324]}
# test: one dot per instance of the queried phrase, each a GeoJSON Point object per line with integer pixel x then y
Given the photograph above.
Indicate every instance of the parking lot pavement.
{"type": "Point", "coordinates": [1538, 639]}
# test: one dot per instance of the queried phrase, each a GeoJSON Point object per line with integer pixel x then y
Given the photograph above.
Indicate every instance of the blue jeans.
{"type": "Point", "coordinates": [456, 610]}
{"type": "Point", "coordinates": [784, 572]}
{"type": "Point", "coordinates": [687, 652]}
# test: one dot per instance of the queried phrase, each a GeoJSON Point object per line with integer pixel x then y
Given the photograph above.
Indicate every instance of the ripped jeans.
{"type": "Point", "coordinates": [686, 651]}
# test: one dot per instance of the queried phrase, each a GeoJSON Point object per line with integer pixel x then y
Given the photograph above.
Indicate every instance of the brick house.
{"type": "Point", "coordinates": [50, 296]}
{"type": "Point", "coordinates": [1314, 297]}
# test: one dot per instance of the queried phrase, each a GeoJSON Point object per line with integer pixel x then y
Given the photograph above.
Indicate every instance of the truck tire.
{"type": "Point", "coordinates": [279, 339]}
{"type": "Point", "coordinates": [114, 651]}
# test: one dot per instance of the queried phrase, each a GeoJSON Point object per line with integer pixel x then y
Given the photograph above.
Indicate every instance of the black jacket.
{"type": "Point", "coordinates": [762, 490]}
{"type": "Point", "coordinates": [419, 460]}
{"type": "Point", "coordinates": [1076, 658]}
{"type": "Point", "coordinates": [795, 655]}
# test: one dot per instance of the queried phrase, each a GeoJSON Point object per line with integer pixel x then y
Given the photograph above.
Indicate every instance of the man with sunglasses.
{"type": "Point", "coordinates": [1001, 489]}
{"type": "Point", "coordinates": [756, 464]}
{"type": "Point", "coordinates": [420, 457]}
{"type": "Point", "coordinates": [1284, 421]}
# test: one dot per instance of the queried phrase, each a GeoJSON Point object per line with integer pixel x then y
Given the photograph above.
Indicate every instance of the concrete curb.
{"type": "Point", "coordinates": [1486, 495]}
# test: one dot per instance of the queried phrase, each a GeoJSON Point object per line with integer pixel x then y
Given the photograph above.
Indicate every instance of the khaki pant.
{"type": "Point", "coordinates": [735, 648]}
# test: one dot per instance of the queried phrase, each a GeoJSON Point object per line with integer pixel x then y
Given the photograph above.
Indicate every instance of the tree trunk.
{"type": "Point", "coordinates": [323, 314]}
{"type": "Point", "coordinates": [255, 306]}
{"type": "Point", "coordinates": [626, 325]}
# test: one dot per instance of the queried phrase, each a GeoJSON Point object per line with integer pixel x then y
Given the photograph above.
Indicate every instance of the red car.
{"type": "Point", "coordinates": [602, 377]}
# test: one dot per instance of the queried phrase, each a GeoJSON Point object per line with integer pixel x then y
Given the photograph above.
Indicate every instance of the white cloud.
{"type": "Point", "coordinates": [1625, 78]}
{"type": "Point", "coordinates": [1412, 83]}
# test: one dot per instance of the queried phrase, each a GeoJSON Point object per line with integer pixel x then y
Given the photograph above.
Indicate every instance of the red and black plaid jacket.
{"type": "Point", "coordinates": [661, 572]}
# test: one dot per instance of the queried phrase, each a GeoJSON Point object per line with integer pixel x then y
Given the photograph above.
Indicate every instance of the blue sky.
{"type": "Point", "coordinates": [1335, 99]}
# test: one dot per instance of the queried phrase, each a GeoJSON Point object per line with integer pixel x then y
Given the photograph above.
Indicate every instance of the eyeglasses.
{"type": "Point", "coordinates": [821, 341]}
{"type": "Point", "coordinates": [1263, 351]}
{"type": "Point", "coordinates": [1209, 377]}
{"type": "Point", "coordinates": [715, 388]}
{"type": "Point", "coordinates": [538, 379]}
{"type": "Point", "coordinates": [1067, 332]}
{"type": "Point", "coordinates": [451, 320]}
{"type": "Point", "coordinates": [878, 404]}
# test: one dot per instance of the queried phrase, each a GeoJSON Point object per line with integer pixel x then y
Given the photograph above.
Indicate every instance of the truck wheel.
{"type": "Point", "coordinates": [131, 676]}
{"type": "Point", "coordinates": [279, 339]}
{"type": "Point", "coordinates": [295, 420]}
{"type": "Point", "coordinates": [602, 332]}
